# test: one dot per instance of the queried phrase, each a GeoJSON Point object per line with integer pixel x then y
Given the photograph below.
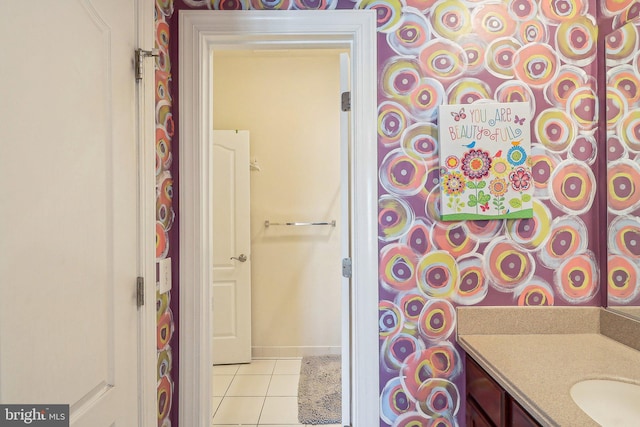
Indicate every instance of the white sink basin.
{"type": "Point", "coordinates": [610, 403]}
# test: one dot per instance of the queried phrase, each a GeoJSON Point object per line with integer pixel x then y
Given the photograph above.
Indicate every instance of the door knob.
{"type": "Point", "coordinates": [241, 257]}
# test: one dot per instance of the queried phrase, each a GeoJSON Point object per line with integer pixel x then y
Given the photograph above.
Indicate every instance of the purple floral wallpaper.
{"type": "Point", "coordinates": [546, 53]}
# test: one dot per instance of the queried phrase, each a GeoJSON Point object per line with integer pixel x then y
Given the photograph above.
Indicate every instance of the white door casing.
{"type": "Point", "coordinates": [202, 32]}
{"type": "Point", "coordinates": [231, 260]}
{"type": "Point", "coordinates": [345, 238]}
{"type": "Point", "coordinates": [77, 223]}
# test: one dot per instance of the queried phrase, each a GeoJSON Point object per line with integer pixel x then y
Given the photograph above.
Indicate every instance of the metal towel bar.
{"type": "Point", "coordinates": [332, 223]}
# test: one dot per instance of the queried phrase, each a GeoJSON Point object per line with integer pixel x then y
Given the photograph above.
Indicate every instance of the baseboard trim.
{"type": "Point", "coordinates": [293, 351]}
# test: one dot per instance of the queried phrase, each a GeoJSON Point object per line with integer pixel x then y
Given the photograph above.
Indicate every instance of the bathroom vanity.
{"type": "Point", "coordinates": [522, 362]}
{"type": "Point", "coordinates": [488, 404]}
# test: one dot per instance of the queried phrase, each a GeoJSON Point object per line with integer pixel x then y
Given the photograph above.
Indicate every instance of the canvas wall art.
{"type": "Point", "coordinates": [485, 161]}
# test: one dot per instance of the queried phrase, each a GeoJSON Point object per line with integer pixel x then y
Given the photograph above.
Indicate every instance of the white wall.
{"type": "Point", "coordinates": [290, 103]}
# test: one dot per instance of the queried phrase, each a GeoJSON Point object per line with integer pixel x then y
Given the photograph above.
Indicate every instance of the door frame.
{"type": "Point", "coordinates": [145, 151]}
{"type": "Point", "coordinates": [202, 32]}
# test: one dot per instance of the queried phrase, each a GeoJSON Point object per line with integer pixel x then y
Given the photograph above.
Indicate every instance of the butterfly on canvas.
{"type": "Point", "coordinates": [484, 207]}
{"type": "Point", "coordinates": [461, 115]}
{"type": "Point", "coordinates": [519, 120]}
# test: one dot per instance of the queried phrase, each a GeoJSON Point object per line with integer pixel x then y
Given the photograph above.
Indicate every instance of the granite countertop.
{"type": "Point", "coordinates": [538, 354]}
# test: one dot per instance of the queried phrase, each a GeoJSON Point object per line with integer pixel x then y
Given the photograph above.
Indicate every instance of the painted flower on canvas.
{"type": "Point", "coordinates": [476, 164]}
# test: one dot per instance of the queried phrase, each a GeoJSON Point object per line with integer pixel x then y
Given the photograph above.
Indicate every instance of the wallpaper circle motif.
{"type": "Point", "coordinates": [473, 286]}
{"type": "Point", "coordinates": [623, 275]}
{"type": "Point", "coordinates": [537, 292]}
{"type": "Point", "coordinates": [434, 52]}
{"type": "Point", "coordinates": [577, 278]}
{"type": "Point", "coordinates": [541, 53]}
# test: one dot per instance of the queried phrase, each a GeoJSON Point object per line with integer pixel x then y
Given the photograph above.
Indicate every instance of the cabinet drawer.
{"type": "Point", "coordinates": [475, 416]}
{"type": "Point", "coordinates": [488, 395]}
{"type": "Point", "coordinates": [520, 417]}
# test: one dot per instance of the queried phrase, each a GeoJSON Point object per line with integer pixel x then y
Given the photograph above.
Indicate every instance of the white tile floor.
{"type": "Point", "coordinates": [261, 393]}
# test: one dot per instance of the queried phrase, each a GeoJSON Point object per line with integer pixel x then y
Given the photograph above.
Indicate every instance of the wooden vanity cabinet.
{"type": "Point", "coordinates": [489, 405]}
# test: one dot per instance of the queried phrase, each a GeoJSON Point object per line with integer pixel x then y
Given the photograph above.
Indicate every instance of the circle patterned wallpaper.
{"type": "Point", "coordinates": [434, 52]}
{"type": "Point", "coordinates": [623, 169]}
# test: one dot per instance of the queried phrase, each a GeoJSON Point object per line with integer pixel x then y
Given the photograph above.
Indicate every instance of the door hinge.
{"type": "Point", "coordinates": [346, 268]}
{"type": "Point", "coordinates": [140, 55]}
{"type": "Point", "coordinates": [140, 291]}
{"type": "Point", "coordinates": [346, 101]}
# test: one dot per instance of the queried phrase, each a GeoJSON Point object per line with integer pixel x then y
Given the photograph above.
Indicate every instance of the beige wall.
{"type": "Point", "coordinates": [289, 102]}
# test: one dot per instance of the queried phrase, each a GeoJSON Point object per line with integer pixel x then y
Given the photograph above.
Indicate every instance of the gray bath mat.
{"type": "Point", "coordinates": [320, 390]}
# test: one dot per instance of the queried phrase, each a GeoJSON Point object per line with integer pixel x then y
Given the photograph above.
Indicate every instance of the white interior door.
{"type": "Point", "coordinates": [231, 264]}
{"type": "Point", "coordinates": [345, 245]}
{"type": "Point", "coordinates": [69, 252]}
